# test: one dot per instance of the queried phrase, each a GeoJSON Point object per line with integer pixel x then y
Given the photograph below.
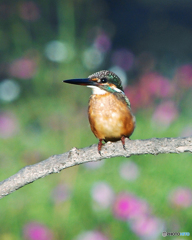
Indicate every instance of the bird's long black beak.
{"type": "Point", "coordinates": [81, 81]}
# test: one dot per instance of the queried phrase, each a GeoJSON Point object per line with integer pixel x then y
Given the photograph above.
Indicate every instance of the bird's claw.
{"type": "Point", "coordinates": [99, 146]}
{"type": "Point", "coordinates": [123, 142]}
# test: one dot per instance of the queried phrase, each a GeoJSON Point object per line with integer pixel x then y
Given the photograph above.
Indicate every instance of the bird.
{"type": "Point", "coordinates": [109, 111]}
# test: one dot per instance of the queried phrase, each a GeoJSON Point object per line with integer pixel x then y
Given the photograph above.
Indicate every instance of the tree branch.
{"type": "Point", "coordinates": [56, 163]}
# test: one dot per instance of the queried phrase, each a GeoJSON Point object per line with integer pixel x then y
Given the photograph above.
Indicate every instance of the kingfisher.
{"type": "Point", "coordinates": [109, 112]}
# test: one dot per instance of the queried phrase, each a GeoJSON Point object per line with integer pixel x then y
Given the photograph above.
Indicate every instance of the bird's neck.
{"type": "Point", "coordinates": [99, 91]}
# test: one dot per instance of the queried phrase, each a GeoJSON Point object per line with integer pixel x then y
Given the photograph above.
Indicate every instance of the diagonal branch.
{"type": "Point", "coordinates": [56, 163]}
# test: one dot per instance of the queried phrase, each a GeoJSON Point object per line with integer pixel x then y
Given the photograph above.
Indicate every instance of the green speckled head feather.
{"type": "Point", "coordinates": [111, 78]}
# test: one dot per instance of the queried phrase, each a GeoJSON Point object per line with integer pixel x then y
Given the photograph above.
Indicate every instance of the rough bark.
{"type": "Point", "coordinates": [56, 163]}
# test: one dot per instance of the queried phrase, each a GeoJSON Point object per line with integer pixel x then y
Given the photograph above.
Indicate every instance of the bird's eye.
{"type": "Point", "coordinates": [103, 80]}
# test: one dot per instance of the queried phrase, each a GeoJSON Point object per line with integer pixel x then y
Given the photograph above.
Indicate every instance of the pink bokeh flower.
{"type": "Point", "coordinates": [147, 227]}
{"type": "Point", "coordinates": [129, 170]}
{"type": "Point", "coordinates": [127, 206]}
{"type": "Point", "coordinates": [138, 97]}
{"type": "Point", "coordinates": [23, 68]}
{"type": "Point", "coordinates": [183, 76]}
{"type": "Point", "coordinates": [165, 113]}
{"type": "Point", "coordinates": [123, 58]}
{"type": "Point", "coordinates": [151, 86]}
{"type": "Point", "coordinates": [102, 42]}
{"type": "Point", "coordinates": [8, 125]}
{"type": "Point", "coordinates": [29, 11]}
{"type": "Point", "coordinates": [37, 231]}
{"type": "Point", "coordinates": [157, 85]}
{"type": "Point", "coordinates": [102, 194]}
{"type": "Point", "coordinates": [181, 197]}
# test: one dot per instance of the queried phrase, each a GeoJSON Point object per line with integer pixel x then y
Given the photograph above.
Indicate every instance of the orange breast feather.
{"type": "Point", "coordinates": [110, 118]}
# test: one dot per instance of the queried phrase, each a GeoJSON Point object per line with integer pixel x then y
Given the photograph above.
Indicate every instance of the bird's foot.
{"type": "Point", "coordinates": [100, 146]}
{"type": "Point", "coordinates": [123, 142]}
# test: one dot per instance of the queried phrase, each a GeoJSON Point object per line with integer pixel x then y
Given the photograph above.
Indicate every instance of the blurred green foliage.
{"type": "Point", "coordinates": [42, 44]}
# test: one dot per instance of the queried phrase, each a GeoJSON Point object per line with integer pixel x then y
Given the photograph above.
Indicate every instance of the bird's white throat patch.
{"type": "Point", "coordinates": [97, 90]}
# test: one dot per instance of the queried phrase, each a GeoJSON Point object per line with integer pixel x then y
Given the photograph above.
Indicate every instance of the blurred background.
{"type": "Point", "coordinates": [148, 45]}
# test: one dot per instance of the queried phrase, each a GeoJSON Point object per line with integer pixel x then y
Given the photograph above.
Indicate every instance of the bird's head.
{"type": "Point", "coordinates": [101, 82]}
